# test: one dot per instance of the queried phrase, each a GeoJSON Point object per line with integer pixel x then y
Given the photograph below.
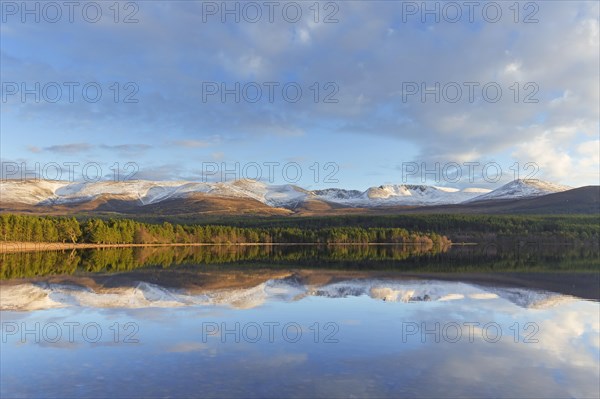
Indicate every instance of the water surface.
{"type": "Point", "coordinates": [251, 327]}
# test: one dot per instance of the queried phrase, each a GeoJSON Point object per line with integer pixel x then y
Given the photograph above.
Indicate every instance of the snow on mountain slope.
{"type": "Point", "coordinates": [146, 192]}
{"type": "Point", "coordinates": [276, 195]}
{"type": "Point", "coordinates": [47, 192]}
{"type": "Point", "coordinates": [522, 189]}
{"type": "Point", "coordinates": [164, 191]}
{"type": "Point", "coordinates": [335, 194]}
{"type": "Point", "coordinates": [399, 195]}
{"type": "Point", "coordinates": [28, 191]}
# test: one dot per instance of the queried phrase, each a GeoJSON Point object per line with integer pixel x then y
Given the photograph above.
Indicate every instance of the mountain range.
{"type": "Point", "coordinates": [255, 197]}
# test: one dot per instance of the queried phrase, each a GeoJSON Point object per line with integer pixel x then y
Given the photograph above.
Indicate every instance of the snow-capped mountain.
{"type": "Point", "coordinates": [42, 192]}
{"type": "Point", "coordinates": [141, 192]}
{"type": "Point", "coordinates": [522, 189]}
{"type": "Point", "coordinates": [334, 194]}
{"type": "Point", "coordinates": [405, 194]}
{"type": "Point", "coordinates": [273, 195]}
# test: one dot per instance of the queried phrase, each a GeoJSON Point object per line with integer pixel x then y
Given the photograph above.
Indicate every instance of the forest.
{"type": "Point", "coordinates": [577, 229]}
{"type": "Point", "coordinates": [26, 228]}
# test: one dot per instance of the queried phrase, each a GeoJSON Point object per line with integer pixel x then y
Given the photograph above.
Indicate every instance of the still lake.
{"type": "Point", "coordinates": [301, 321]}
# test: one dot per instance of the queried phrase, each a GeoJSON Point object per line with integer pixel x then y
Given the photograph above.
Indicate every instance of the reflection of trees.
{"type": "Point", "coordinates": [30, 264]}
{"type": "Point", "coordinates": [421, 257]}
{"type": "Point", "coordinates": [516, 255]}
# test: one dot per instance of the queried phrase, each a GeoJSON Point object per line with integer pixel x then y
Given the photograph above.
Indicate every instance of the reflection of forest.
{"type": "Point", "coordinates": [423, 257]}
{"type": "Point", "coordinates": [30, 264]}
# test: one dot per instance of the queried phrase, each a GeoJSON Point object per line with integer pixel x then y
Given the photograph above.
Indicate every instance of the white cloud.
{"type": "Point", "coordinates": [369, 53]}
{"type": "Point", "coordinates": [560, 156]}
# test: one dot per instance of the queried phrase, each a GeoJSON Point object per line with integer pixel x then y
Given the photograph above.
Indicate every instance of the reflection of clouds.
{"type": "Point", "coordinates": [483, 295]}
{"type": "Point", "coordinates": [476, 370]}
{"type": "Point", "coordinates": [284, 359]}
{"type": "Point", "coordinates": [187, 347]}
{"type": "Point", "coordinates": [594, 340]}
{"type": "Point", "coordinates": [564, 361]}
{"type": "Point", "coordinates": [6, 316]}
{"type": "Point", "coordinates": [166, 315]}
{"type": "Point", "coordinates": [452, 297]}
{"type": "Point", "coordinates": [62, 344]}
{"type": "Point", "coordinates": [364, 386]}
{"type": "Point", "coordinates": [488, 368]}
{"type": "Point", "coordinates": [163, 314]}
{"type": "Point", "coordinates": [351, 322]}
{"type": "Point", "coordinates": [369, 361]}
{"type": "Point", "coordinates": [571, 334]}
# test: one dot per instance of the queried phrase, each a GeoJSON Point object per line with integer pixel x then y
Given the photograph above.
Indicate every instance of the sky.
{"type": "Point", "coordinates": [346, 94]}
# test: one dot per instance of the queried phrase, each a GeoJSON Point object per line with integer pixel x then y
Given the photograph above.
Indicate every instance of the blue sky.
{"type": "Point", "coordinates": [370, 62]}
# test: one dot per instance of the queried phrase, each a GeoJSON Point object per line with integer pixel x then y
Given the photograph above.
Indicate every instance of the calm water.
{"type": "Point", "coordinates": [130, 326]}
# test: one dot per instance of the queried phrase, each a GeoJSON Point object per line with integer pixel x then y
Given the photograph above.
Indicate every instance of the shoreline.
{"type": "Point", "coordinates": [14, 247]}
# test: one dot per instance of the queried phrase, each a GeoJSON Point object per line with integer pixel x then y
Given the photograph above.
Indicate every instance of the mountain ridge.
{"type": "Point", "coordinates": [157, 195]}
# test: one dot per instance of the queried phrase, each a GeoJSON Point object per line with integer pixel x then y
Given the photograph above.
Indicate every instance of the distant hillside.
{"type": "Point", "coordinates": [251, 198]}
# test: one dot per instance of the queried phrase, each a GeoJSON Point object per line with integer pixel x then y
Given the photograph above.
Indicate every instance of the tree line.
{"type": "Point", "coordinates": [457, 227]}
{"type": "Point", "coordinates": [27, 228]}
